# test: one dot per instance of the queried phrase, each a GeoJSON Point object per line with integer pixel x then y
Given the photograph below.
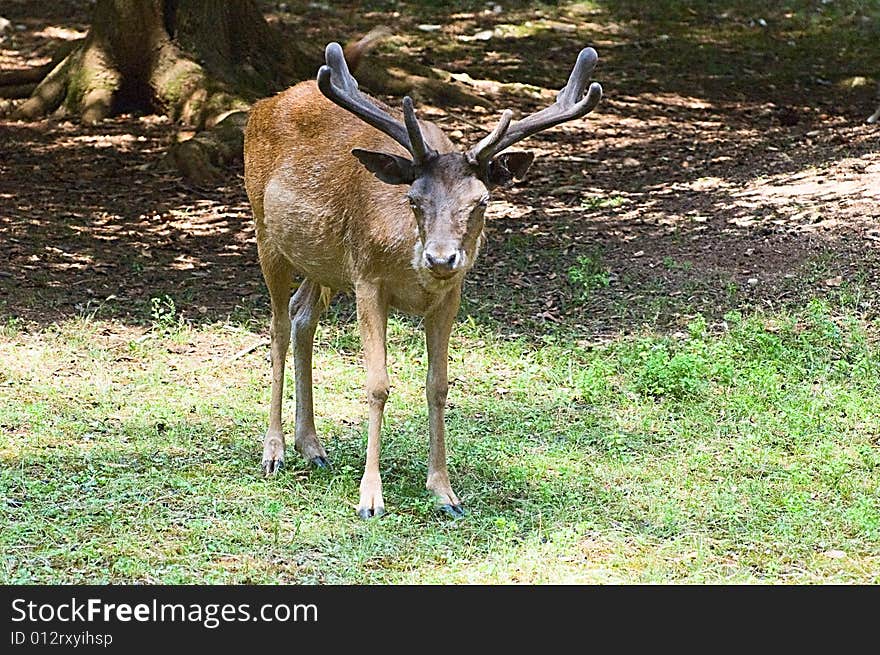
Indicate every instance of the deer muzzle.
{"type": "Point", "coordinates": [443, 261]}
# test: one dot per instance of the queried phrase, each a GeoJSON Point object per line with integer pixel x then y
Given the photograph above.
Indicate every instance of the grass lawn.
{"type": "Point", "coordinates": [739, 452]}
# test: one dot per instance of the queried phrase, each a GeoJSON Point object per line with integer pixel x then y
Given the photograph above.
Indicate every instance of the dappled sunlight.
{"type": "Point", "coordinates": [801, 199]}
{"type": "Point", "coordinates": [669, 100]}
{"type": "Point", "coordinates": [121, 142]}
{"type": "Point", "coordinates": [124, 236]}
{"type": "Point", "coordinates": [562, 557]}
{"type": "Point", "coordinates": [60, 32]}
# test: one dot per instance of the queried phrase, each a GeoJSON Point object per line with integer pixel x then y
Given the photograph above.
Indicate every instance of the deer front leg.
{"type": "Point", "coordinates": [438, 326]}
{"type": "Point", "coordinates": [372, 313]}
{"type": "Point", "coordinates": [305, 309]}
{"type": "Point", "coordinates": [279, 276]}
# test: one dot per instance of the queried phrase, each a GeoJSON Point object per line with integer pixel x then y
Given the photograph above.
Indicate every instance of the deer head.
{"type": "Point", "coordinates": [449, 191]}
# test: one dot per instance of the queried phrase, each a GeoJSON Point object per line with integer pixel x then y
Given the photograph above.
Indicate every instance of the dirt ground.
{"type": "Point", "coordinates": [724, 180]}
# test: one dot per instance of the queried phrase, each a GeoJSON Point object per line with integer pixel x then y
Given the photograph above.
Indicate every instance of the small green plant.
{"type": "Point", "coordinates": [731, 289]}
{"type": "Point", "coordinates": [164, 314]}
{"type": "Point", "coordinates": [664, 374]}
{"type": "Point", "coordinates": [671, 264]}
{"type": "Point", "coordinates": [697, 328]}
{"type": "Point", "coordinates": [600, 202]}
{"type": "Point", "coordinates": [273, 509]}
{"type": "Point", "coordinates": [588, 275]}
{"type": "Point", "coordinates": [11, 326]}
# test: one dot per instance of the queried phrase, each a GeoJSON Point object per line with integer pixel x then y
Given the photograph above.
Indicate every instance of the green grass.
{"type": "Point", "coordinates": [742, 453]}
{"type": "Point", "coordinates": [588, 274]}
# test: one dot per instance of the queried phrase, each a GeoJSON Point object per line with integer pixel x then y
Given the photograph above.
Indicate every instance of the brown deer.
{"type": "Point", "coordinates": [347, 195]}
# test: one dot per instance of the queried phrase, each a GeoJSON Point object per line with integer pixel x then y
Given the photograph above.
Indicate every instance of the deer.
{"type": "Point", "coordinates": [350, 195]}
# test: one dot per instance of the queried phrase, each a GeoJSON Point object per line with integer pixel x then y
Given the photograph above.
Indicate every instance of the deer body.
{"type": "Point", "coordinates": [305, 194]}
{"type": "Point", "coordinates": [347, 196]}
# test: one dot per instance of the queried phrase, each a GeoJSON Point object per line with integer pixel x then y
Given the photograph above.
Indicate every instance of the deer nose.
{"type": "Point", "coordinates": [441, 262]}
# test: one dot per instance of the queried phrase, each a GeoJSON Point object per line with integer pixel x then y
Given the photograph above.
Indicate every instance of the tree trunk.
{"type": "Point", "coordinates": [191, 59]}
{"type": "Point", "coordinates": [198, 61]}
{"type": "Point", "coordinates": [201, 62]}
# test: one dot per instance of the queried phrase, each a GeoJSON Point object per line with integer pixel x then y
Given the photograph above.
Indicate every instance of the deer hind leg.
{"type": "Point", "coordinates": [875, 117]}
{"type": "Point", "coordinates": [438, 326]}
{"type": "Point", "coordinates": [306, 306]}
{"type": "Point", "coordinates": [372, 311]}
{"type": "Point", "coordinates": [279, 277]}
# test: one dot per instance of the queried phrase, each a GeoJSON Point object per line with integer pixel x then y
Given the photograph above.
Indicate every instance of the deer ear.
{"type": "Point", "coordinates": [507, 166]}
{"type": "Point", "coordinates": [391, 169]}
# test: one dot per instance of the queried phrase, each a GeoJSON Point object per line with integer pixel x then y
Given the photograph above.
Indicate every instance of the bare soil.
{"type": "Point", "coordinates": [689, 190]}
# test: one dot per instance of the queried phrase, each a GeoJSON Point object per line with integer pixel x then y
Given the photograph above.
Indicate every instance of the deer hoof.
{"type": "Point", "coordinates": [455, 511]}
{"type": "Point", "coordinates": [311, 449]}
{"type": "Point", "coordinates": [273, 454]}
{"type": "Point", "coordinates": [370, 513]}
{"type": "Point", "coordinates": [272, 466]}
{"type": "Point", "coordinates": [321, 462]}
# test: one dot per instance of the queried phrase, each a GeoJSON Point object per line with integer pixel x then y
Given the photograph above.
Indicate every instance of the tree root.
{"type": "Point", "coordinates": [25, 75]}
{"type": "Point", "coordinates": [423, 84]}
{"type": "Point", "coordinates": [23, 82]}
{"type": "Point", "coordinates": [185, 92]}
{"type": "Point", "coordinates": [48, 94]}
{"type": "Point", "coordinates": [83, 82]}
{"type": "Point", "coordinates": [203, 158]}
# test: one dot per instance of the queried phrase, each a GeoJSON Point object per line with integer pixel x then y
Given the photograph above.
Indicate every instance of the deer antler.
{"type": "Point", "coordinates": [571, 103]}
{"type": "Point", "coordinates": [337, 83]}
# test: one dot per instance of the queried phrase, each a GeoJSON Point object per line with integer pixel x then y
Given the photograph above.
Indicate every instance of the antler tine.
{"type": "Point", "coordinates": [334, 55]}
{"type": "Point", "coordinates": [420, 151]}
{"type": "Point", "coordinates": [337, 83]}
{"type": "Point", "coordinates": [570, 103]}
{"type": "Point", "coordinates": [573, 90]}
{"type": "Point", "coordinates": [482, 151]}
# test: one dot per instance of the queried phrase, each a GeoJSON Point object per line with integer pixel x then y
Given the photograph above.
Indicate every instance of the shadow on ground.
{"type": "Point", "coordinates": [722, 171]}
